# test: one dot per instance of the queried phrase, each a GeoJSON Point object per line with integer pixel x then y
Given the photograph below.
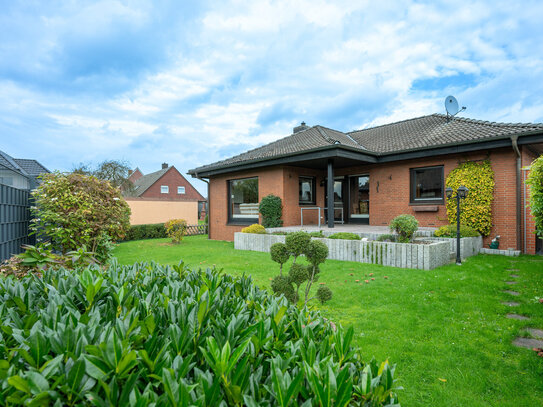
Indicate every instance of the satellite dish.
{"type": "Point", "coordinates": [451, 105]}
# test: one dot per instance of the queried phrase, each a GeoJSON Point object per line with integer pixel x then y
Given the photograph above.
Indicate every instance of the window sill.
{"type": "Point", "coordinates": [244, 222]}
{"type": "Point", "coordinates": [427, 203]}
{"type": "Point", "coordinates": [307, 204]}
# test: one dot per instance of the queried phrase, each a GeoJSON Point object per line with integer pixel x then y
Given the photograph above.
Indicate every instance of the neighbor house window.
{"type": "Point", "coordinates": [180, 190]}
{"type": "Point", "coordinates": [164, 189]}
{"type": "Point", "coordinates": [243, 200]}
{"type": "Point", "coordinates": [427, 185]}
{"type": "Point", "coordinates": [307, 190]}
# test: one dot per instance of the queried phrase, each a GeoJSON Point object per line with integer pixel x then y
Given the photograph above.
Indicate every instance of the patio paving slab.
{"type": "Point", "coordinates": [537, 333]}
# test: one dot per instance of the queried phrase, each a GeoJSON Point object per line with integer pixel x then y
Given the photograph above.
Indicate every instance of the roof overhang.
{"type": "Point", "coordinates": [318, 158]}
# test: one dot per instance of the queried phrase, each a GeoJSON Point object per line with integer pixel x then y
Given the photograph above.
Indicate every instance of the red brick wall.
{"type": "Point", "coordinates": [135, 175]}
{"type": "Point", "coordinates": [173, 178]}
{"type": "Point", "coordinates": [389, 193]}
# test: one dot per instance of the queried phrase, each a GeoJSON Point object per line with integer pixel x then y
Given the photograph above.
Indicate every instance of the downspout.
{"type": "Point", "coordinates": [208, 205]}
{"type": "Point", "coordinates": [514, 142]}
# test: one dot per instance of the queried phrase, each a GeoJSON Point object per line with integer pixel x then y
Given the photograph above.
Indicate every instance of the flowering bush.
{"type": "Point", "coordinates": [176, 229]}
{"type": "Point", "coordinates": [75, 210]}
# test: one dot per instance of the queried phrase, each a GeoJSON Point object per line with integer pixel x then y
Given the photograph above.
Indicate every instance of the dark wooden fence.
{"type": "Point", "coordinates": [14, 220]}
{"type": "Point", "coordinates": [196, 230]}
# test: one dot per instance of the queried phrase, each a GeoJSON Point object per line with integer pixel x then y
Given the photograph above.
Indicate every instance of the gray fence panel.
{"type": "Point", "coordinates": [14, 220]}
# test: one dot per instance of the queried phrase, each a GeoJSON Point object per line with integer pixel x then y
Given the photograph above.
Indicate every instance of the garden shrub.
{"type": "Point", "coordinates": [149, 231]}
{"type": "Point", "coordinates": [535, 181]}
{"type": "Point", "coordinates": [176, 229]}
{"type": "Point", "coordinates": [271, 209]}
{"type": "Point", "coordinates": [158, 335]}
{"type": "Point", "coordinates": [74, 211]}
{"type": "Point", "coordinates": [279, 254]}
{"type": "Point", "coordinates": [345, 236]}
{"type": "Point", "coordinates": [255, 228]}
{"type": "Point", "coordinates": [450, 231]}
{"type": "Point", "coordinates": [476, 209]}
{"type": "Point", "coordinates": [405, 227]}
{"type": "Point", "coordinates": [317, 234]}
{"type": "Point", "coordinates": [297, 243]}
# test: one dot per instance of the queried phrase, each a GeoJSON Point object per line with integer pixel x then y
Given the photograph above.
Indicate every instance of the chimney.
{"type": "Point", "coordinates": [164, 166]}
{"type": "Point", "coordinates": [299, 128]}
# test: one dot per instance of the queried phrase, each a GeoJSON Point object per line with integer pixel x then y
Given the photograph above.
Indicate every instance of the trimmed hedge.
{"type": "Point", "coordinates": [345, 236]}
{"type": "Point", "coordinates": [150, 231]}
{"type": "Point", "coordinates": [151, 335]}
{"type": "Point", "coordinates": [254, 228]}
{"type": "Point", "coordinates": [450, 231]}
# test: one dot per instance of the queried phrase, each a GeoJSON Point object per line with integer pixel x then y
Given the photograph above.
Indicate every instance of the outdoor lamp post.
{"type": "Point", "coordinates": [461, 193]}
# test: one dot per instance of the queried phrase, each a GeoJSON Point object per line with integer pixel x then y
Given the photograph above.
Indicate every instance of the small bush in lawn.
{"type": "Point", "coordinates": [254, 228]}
{"type": "Point", "coordinates": [167, 336]}
{"type": "Point", "coordinates": [176, 229]}
{"type": "Point", "coordinates": [345, 236]}
{"type": "Point", "coordinates": [271, 209]}
{"type": "Point", "coordinates": [405, 226]}
{"type": "Point", "coordinates": [324, 294]}
{"type": "Point", "coordinates": [279, 254]}
{"type": "Point", "coordinates": [450, 231]}
{"type": "Point", "coordinates": [297, 243]}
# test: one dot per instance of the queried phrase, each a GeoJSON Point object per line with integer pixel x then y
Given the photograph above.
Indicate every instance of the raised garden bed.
{"type": "Point", "coordinates": [425, 256]}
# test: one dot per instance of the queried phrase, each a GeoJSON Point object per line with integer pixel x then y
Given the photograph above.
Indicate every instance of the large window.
{"type": "Point", "coordinates": [427, 185]}
{"type": "Point", "coordinates": [243, 200]}
{"type": "Point", "coordinates": [307, 190]}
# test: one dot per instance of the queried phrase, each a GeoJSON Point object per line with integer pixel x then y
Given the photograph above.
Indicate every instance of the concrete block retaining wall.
{"type": "Point", "coordinates": [469, 246]}
{"type": "Point", "coordinates": [418, 256]}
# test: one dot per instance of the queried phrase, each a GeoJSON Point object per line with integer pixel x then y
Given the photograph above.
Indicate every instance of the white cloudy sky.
{"type": "Point", "coordinates": [190, 83]}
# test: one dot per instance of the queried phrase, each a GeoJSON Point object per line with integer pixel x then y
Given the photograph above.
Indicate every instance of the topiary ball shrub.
{"type": "Point", "coordinates": [271, 209]}
{"type": "Point", "coordinates": [147, 334]}
{"type": "Point", "coordinates": [297, 243]}
{"type": "Point", "coordinates": [324, 294]}
{"type": "Point", "coordinates": [279, 254]}
{"type": "Point", "coordinates": [281, 285]}
{"type": "Point", "coordinates": [450, 231]}
{"type": "Point", "coordinates": [298, 274]}
{"type": "Point", "coordinates": [176, 229]}
{"type": "Point", "coordinates": [254, 228]}
{"type": "Point", "coordinates": [405, 226]}
{"type": "Point", "coordinates": [345, 236]}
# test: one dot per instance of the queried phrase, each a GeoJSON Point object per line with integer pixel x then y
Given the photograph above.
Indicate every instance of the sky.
{"type": "Point", "coordinates": [193, 82]}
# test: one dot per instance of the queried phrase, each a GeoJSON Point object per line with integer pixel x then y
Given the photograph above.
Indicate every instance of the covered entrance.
{"type": "Point", "coordinates": [351, 199]}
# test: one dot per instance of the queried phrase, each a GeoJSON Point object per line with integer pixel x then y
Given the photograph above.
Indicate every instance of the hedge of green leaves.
{"type": "Point", "coordinates": [150, 231]}
{"type": "Point", "coordinates": [535, 181]}
{"type": "Point", "coordinates": [167, 336]}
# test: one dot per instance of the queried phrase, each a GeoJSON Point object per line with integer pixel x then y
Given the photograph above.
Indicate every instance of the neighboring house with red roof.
{"type": "Point", "coordinates": [378, 173]}
{"type": "Point", "coordinates": [172, 194]}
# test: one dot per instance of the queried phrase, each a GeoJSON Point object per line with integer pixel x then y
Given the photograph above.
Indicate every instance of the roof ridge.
{"type": "Point", "coordinates": [321, 130]}
{"type": "Point", "coordinates": [13, 163]}
{"type": "Point", "coordinates": [489, 123]}
{"type": "Point", "coordinates": [390, 124]}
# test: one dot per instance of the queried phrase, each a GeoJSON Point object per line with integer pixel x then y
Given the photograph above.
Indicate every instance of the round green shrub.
{"type": "Point", "coordinates": [254, 228]}
{"type": "Point", "coordinates": [271, 209]}
{"type": "Point", "coordinates": [405, 226]}
{"type": "Point", "coordinates": [176, 229]}
{"type": "Point", "coordinates": [450, 231]}
{"type": "Point", "coordinates": [281, 285]}
{"type": "Point", "coordinates": [386, 238]}
{"type": "Point", "coordinates": [297, 243]}
{"type": "Point", "coordinates": [279, 253]}
{"type": "Point", "coordinates": [324, 294]}
{"type": "Point", "coordinates": [316, 252]}
{"type": "Point", "coordinates": [316, 234]}
{"type": "Point", "coordinates": [345, 236]}
{"type": "Point", "coordinates": [298, 274]}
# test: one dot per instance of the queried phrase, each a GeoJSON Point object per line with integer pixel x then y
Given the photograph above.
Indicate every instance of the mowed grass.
{"type": "Point", "coordinates": [445, 329]}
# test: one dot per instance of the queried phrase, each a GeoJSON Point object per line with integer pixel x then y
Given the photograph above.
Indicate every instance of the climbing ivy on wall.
{"type": "Point", "coordinates": [476, 209]}
{"type": "Point", "coordinates": [535, 180]}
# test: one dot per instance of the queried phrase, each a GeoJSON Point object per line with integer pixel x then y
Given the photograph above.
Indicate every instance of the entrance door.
{"type": "Point", "coordinates": [339, 193]}
{"type": "Point", "coordinates": [359, 199]}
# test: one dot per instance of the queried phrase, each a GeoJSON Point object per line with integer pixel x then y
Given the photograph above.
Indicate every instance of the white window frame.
{"type": "Point", "coordinates": [164, 189]}
{"type": "Point", "coordinates": [180, 190]}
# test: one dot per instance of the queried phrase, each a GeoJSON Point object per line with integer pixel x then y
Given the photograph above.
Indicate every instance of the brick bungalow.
{"type": "Point", "coordinates": [163, 195]}
{"type": "Point", "coordinates": [378, 173]}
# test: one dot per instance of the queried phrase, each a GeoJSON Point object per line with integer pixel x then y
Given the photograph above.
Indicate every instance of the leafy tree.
{"type": "Point", "coordinates": [114, 171]}
{"type": "Point", "coordinates": [535, 181]}
{"type": "Point", "coordinates": [74, 211]}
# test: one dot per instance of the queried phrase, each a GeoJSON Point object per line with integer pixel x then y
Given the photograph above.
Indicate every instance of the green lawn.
{"type": "Point", "coordinates": [445, 329]}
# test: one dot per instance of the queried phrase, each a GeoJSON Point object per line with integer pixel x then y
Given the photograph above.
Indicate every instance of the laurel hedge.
{"type": "Point", "coordinates": [476, 209]}
{"type": "Point", "coordinates": [535, 181]}
{"type": "Point", "coordinates": [167, 336]}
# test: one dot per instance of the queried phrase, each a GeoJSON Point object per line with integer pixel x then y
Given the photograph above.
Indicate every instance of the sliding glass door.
{"type": "Point", "coordinates": [359, 199]}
